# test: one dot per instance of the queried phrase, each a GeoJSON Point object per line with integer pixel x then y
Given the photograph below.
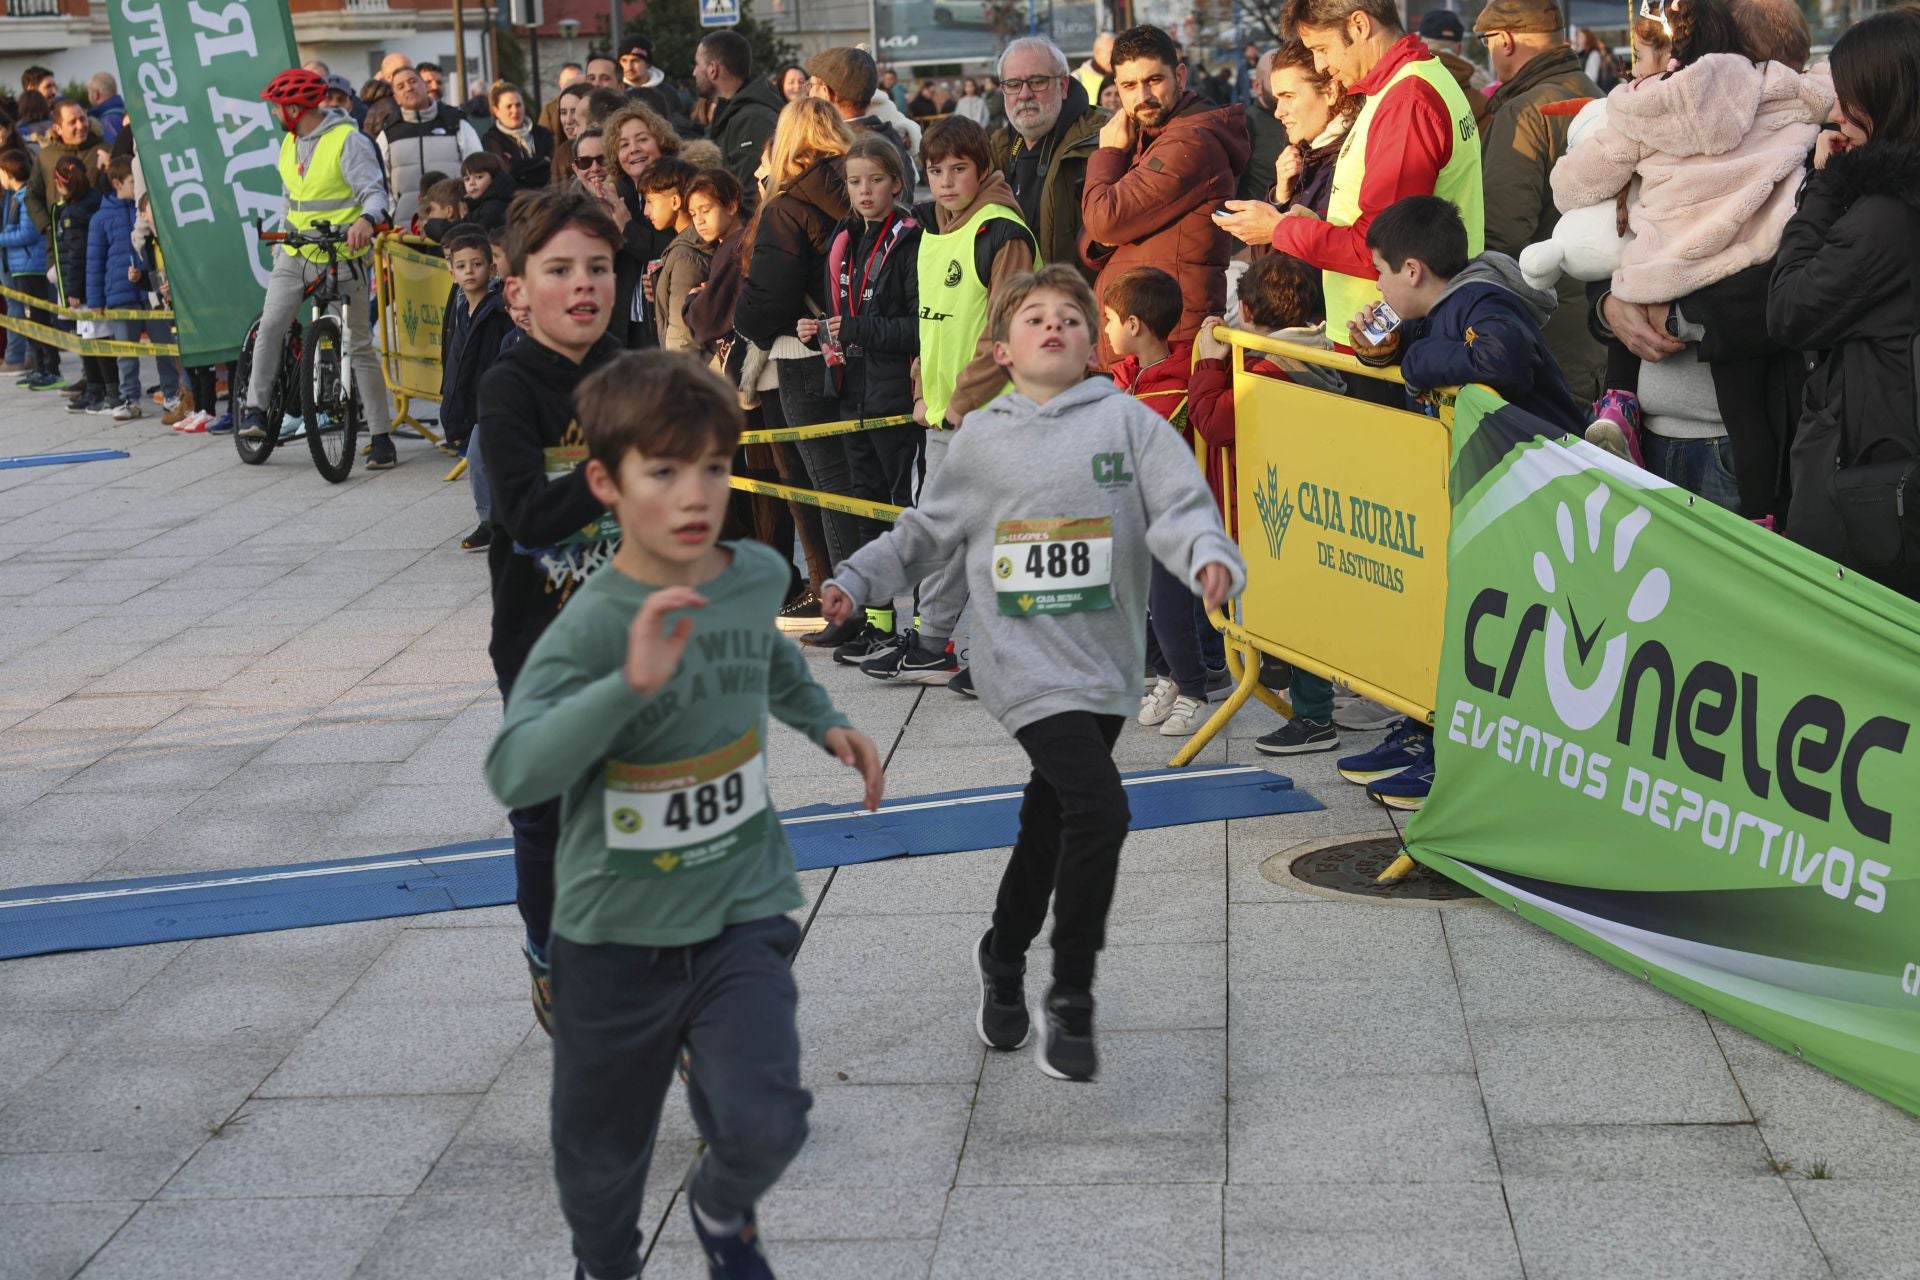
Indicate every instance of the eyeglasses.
{"type": "Point", "coordinates": [1035, 85]}
{"type": "Point", "coordinates": [589, 162]}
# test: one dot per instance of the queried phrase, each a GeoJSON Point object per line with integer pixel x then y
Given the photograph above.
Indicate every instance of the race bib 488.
{"type": "Point", "coordinates": [1053, 566]}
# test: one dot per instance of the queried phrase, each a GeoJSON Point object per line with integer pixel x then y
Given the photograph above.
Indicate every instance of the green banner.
{"type": "Point", "coordinates": [192, 71]}
{"type": "Point", "coordinates": [1683, 743]}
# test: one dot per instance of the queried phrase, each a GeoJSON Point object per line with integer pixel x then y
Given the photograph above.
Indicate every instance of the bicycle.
{"type": "Point", "coordinates": [313, 361]}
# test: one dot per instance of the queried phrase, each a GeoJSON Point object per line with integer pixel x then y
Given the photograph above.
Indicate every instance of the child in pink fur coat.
{"type": "Point", "coordinates": [1720, 147]}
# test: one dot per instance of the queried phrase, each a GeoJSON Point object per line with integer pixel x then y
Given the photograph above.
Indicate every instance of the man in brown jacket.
{"type": "Point", "coordinates": [1520, 145]}
{"type": "Point", "coordinates": [74, 133]}
{"type": "Point", "coordinates": [1166, 163]}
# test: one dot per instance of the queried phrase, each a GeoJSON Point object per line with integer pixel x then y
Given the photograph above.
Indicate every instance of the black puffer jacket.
{"type": "Point", "coordinates": [71, 221]}
{"type": "Point", "coordinates": [490, 209]}
{"type": "Point", "coordinates": [1846, 290]}
{"type": "Point", "coordinates": [789, 262]}
{"type": "Point", "coordinates": [874, 285]}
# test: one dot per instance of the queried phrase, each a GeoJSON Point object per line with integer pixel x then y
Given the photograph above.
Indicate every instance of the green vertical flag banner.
{"type": "Point", "coordinates": [1683, 743]}
{"type": "Point", "coordinates": [192, 71]}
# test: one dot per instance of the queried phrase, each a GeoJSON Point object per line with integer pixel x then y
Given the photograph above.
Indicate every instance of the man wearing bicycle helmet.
{"type": "Point", "coordinates": [332, 174]}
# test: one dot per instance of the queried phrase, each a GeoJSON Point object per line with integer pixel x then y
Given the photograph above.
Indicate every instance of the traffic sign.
{"type": "Point", "coordinates": [719, 13]}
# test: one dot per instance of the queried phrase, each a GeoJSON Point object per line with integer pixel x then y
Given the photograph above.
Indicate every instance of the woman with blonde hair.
{"type": "Point", "coordinates": [786, 282]}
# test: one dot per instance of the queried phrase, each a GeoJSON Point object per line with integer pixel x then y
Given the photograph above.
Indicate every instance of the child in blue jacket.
{"type": "Point", "coordinates": [25, 250]}
{"type": "Point", "coordinates": [114, 276]}
{"type": "Point", "coordinates": [1461, 321]}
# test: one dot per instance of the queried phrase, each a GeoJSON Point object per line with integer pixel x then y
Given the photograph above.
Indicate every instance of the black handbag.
{"type": "Point", "coordinates": [1877, 503]}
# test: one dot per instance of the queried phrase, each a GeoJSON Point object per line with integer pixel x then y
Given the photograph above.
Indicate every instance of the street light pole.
{"type": "Point", "coordinates": [615, 22]}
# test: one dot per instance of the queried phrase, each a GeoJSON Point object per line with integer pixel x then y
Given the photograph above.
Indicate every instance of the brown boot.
{"type": "Point", "coordinates": [178, 411]}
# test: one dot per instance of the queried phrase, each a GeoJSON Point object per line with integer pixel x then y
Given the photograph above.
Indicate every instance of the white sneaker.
{"type": "Point", "coordinates": [1185, 719]}
{"type": "Point", "coordinates": [1351, 711]}
{"type": "Point", "coordinates": [126, 411]}
{"type": "Point", "coordinates": [1158, 705]}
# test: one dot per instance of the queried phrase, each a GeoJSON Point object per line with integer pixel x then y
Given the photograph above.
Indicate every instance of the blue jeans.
{"type": "Point", "coordinates": [1701, 466]}
{"type": "Point", "coordinates": [16, 352]}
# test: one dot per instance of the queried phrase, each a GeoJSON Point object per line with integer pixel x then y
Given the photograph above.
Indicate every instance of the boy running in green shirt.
{"type": "Point", "coordinates": [644, 707]}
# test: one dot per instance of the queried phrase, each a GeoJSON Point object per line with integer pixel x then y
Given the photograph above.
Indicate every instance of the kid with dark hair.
{"type": "Point", "coordinates": [489, 188]}
{"type": "Point", "coordinates": [550, 533]}
{"type": "Point", "coordinates": [671, 945]}
{"type": "Point", "coordinates": [473, 325]}
{"type": "Point", "coordinates": [73, 213]}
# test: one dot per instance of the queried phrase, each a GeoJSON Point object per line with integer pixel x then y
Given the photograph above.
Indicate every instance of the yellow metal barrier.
{"type": "Point", "coordinates": [815, 498]}
{"type": "Point", "coordinates": [1345, 504]}
{"type": "Point", "coordinates": [412, 289]}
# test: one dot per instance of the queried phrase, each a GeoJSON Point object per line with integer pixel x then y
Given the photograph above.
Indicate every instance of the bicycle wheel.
{"type": "Point", "coordinates": [331, 408]}
{"type": "Point", "coordinates": [252, 452]}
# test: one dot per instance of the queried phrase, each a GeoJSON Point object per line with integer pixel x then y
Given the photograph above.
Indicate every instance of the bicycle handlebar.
{"type": "Point", "coordinates": [323, 234]}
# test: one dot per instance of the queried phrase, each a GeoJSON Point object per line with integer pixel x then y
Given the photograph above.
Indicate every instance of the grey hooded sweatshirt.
{"type": "Point", "coordinates": [1092, 453]}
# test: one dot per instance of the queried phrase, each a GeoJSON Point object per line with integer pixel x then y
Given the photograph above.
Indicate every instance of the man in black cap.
{"type": "Point", "coordinates": [1445, 35]}
{"type": "Point", "coordinates": [847, 80]}
{"type": "Point", "coordinates": [1527, 41]}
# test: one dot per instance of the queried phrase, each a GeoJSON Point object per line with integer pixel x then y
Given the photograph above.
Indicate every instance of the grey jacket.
{"type": "Point", "coordinates": [1091, 451]}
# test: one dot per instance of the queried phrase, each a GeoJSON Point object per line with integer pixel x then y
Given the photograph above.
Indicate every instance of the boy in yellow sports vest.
{"type": "Point", "coordinates": [975, 242]}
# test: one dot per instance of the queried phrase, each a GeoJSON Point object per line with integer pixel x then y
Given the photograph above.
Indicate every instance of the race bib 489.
{"type": "Point", "coordinates": [668, 819]}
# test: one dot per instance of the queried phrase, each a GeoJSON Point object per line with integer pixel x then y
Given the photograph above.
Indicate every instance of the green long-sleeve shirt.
{"type": "Point", "coordinates": [667, 832]}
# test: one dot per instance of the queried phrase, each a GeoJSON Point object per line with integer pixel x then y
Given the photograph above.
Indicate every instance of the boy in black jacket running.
{"type": "Point", "coordinates": [550, 532]}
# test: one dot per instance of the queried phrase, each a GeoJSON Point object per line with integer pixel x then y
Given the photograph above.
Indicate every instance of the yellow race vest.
{"type": "Point", "coordinates": [1459, 183]}
{"type": "Point", "coordinates": [322, 193]}
{"type": "Point", "coordinates": [953, 307]}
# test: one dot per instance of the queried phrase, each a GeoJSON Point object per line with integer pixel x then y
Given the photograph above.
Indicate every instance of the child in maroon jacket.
{"type": "Point", "coordinates": [1139, 309]}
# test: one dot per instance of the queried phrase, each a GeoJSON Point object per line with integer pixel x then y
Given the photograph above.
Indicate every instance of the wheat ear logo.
{"type": "Point", "coordinates": [1603, 601]}
{"type": "Point", "coordinates": [1276, 510]}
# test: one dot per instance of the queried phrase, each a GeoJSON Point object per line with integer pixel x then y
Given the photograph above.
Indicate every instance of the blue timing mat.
{"type": "Point", "coordinates": [59, 459]}
{"type": "Point", "coordinates": [213, 904]}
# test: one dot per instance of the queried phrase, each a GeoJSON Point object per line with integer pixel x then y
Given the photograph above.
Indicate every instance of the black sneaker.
{"type": "Point", "coordinates": [913, 663]}
{"type": "Point", "coordinates": [735, 1256]}
{"type": "Point", "coordinates": [480, 539]}
{"type": "Point", "coordinates": [1219, 684]}
{"type": "Point", "coordinates": [1297, 737]}
{"type": "Point", "coordinates": [870, 643]}
{"type": "Point", "coordinates": [832, 637]}
{"type": "Point", "coordinates": [380, 453]}
{"type": "Point", "coordinates": [963, 683]}
{"type": "Point", "coordinates": [82, 403]}
{"type": "Point", "coordinates": [1002, 1022]}
{"type": "Point", "coordinates": [253, 424]}
{"type": "Point", "coordinates": [1065, 1050]}
{"type": "Point", "coordinates": [801, 613]}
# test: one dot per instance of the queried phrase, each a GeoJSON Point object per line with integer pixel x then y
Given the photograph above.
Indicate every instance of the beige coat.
{"type": "Point", "coordinates": [1721, 148]}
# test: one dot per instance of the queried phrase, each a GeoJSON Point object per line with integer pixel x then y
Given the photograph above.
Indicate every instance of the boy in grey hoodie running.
{"type": "Point", "coordinates": [1054, 496]}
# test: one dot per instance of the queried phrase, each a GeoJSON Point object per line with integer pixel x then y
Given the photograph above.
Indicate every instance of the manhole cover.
{"type": "Point", "coordinates": [1352, 866]}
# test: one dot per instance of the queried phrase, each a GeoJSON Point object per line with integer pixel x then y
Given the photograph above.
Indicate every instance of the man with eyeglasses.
{"type": "Point", "coordinates": [1051, 131]}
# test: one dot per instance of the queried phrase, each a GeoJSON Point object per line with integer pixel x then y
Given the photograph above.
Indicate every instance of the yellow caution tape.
{"type": "Point", "coordinates": [86, 346]}
{"type": "Point", "coordinates": [76, 313]}
{"type": "Point", "coordinates": [845, 427]}
{"type": "Point", "coordinates": [814, 498]}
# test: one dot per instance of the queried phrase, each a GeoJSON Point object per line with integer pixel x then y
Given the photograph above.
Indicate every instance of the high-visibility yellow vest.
{"type": "Point", "coordinates": [1459, 183]}
{"type": "Point", "coordinates": [322, 192]}
{"type": "Point", "coordinates": [953, 307]}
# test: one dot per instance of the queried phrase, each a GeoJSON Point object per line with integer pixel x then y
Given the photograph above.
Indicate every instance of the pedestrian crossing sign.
{"type": "Point", "coordinates": [719, 13]}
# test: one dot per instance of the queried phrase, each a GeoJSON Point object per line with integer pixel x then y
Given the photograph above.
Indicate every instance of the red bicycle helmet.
{"type": "Point", "coordinates": [295, 87]}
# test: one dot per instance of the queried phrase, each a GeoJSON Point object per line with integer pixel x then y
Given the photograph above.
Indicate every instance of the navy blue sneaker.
{"type": "Point", "coordinates": [220, 425]}
{"type": "Point", "coordinates": [1407, 789]}
{"type": "Point", "coordinates": [1409, 744]}
{"type": "Point", "coordinates": [732, 1257]}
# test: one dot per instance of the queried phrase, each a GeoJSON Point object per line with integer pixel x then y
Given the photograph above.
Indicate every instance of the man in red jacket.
{"type": "Point", "coordinates": [1414, 136]}
{"type": "Point", "coordinates": [1166, 161]}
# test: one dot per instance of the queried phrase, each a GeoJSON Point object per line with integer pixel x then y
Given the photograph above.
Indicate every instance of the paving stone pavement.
{"type": "Point", "coordinates": [207, 665]}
